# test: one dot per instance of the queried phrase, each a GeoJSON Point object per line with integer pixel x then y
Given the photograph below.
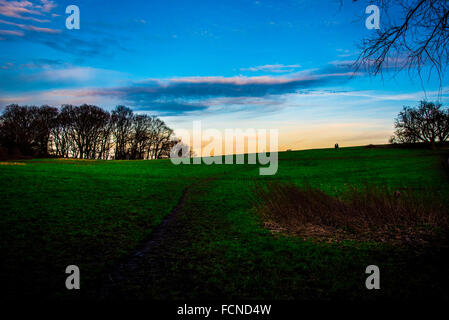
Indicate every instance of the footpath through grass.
{"type": "Point", "coordinates": [92, 213]}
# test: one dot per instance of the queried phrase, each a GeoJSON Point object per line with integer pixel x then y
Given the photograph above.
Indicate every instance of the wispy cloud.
{"type": "Point", "coordinates": [389, 63]}
{"type": "Point", "coordinates": [208, 87]}
{"type": "Point", "coordinates": [75, 74]}
{"type": "Point", "coordinates": [12, 33]}
{"type": "Point", "coordinates": [25, 10]}
{"type": "Point", "coordinates": [41, 75]}
{"type": "Point", "coordinates": [41, 63]}
{"type": "Point", "coordinates": [29, 27]}
{"type": "Point", "coordinates": [344, 53]}
{"type": "Point", "coordinates": [192, 94]}
{"type": "Point", "coordinates": [275, 68]}
{"type": "Point", "coordinates": [7, 65]}
{"type": "Point", "coordinates": [16, 9]}
{"type": "Point", "coordinates": [181, 95]}
{"type": "Point", "coordinates": [47, 5]}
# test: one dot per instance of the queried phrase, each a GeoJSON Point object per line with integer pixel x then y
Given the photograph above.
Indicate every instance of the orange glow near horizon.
{"type": "Point", "coordinates": [314, 137]}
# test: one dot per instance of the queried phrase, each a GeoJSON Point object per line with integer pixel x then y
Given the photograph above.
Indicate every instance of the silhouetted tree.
{"type": "Point", "coordinates": [106, 139]}
{"type": "Point", "coordinates": [62, 135]}
{"type": "Point", "coordinates": [27, 128]}
{"type": "Point", "coordinates": [140, 136]}
{"type": "Point", "coordinates": [44, 121]}
{"type": "Point", "coordinates": [122, 119]}
{"type": "Point", "coordinates": [86, 124]}
{"type": "Point", "coordinates": [161, 135]}
{"type": "Point", "coordinates": [16, 129]}
{"type": "Point", "coordinates": [85, 131]}
{"type": "Point", "coordinates": [428, 122]}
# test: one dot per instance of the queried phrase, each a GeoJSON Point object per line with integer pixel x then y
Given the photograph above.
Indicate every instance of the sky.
{"type": "Point", "coordinates": [283, 65]}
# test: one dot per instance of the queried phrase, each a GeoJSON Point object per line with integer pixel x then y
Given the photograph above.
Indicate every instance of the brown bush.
{"type": "Point", "coordinates": [371, 213]}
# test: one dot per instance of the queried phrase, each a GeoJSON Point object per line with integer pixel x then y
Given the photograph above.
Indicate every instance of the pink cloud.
{"type": "Point", "coordinates": [45, 30]}
{"type": "Point", "coordinates": [7, 65]}
{"type": "Point", "coordinates": [22, 9]}
{"type": "Point", "coordinates": [15, 9]}
{"type": "Point", "coordinates": [47, 5]}
{"type": "Point", "coordinates": [243, 80]}
{"type": "Point", "coordinates": [12, 33]}
{"type": "Point", "coordinates": [29, 27]}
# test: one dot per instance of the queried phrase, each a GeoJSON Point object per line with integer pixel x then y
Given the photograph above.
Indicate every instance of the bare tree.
{"type": "Point", "coordinates": [27, 129]}
{"type": "Point", "coordinates": [87, 124]}
{"type": "Point", "coordinates": [443, 125]}
{"type": "Point", "coordinates": [62, 135]}
{"type": "Point", "coordinates": [122, 118]}
{"type": "Point", "coordinates": [416, 37]}
{"type": "Point", "coordinates": [16, 129]}
{"type": "Point", "coordinates": [141, 135]}
{"type": "Point", "coordinates": [428, 123]}
{"type": "Point", "coordinates": [85, 131]}
{"type": "Point", "coordinates": [105, 139]}
{"type": "Point", "coordinates": [161, 135]}
{"type": "Point", "coordinates": [45, 119]}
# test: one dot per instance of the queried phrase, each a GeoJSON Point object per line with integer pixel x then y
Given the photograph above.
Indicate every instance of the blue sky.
{"type": "Point", "coordinates": [246, 64]}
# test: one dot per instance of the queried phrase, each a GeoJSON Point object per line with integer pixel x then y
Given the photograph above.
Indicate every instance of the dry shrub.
{"type": "Point", "coordinates": [371, 213]}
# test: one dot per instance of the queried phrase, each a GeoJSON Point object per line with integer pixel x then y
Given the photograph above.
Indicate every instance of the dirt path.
{"type": "Point", "coordinates": [135, 276]}
{"type": "Point", "coordinates": [154, 270]}
{"type": "Point", "coordinates": [146, 254]}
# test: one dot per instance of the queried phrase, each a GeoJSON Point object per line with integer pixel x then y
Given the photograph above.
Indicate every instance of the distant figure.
{"type": "Point", "coordinates": [336, 146]}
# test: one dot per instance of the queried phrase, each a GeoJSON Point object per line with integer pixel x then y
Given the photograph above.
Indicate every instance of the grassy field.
{"type": "Point", "coordinates": [94, 213]}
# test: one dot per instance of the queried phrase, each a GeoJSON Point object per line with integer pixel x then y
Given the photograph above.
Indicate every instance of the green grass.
{"type": "Point", "coordinates": [92, 213]}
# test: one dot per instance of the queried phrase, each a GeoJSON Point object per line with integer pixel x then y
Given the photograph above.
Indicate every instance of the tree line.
{"type": "Point", "coordinates": [85, 132]}
{"type": "Point", "coordinates": [426, 123]}
{"type": "Point", "coordinates": [90, 132]}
